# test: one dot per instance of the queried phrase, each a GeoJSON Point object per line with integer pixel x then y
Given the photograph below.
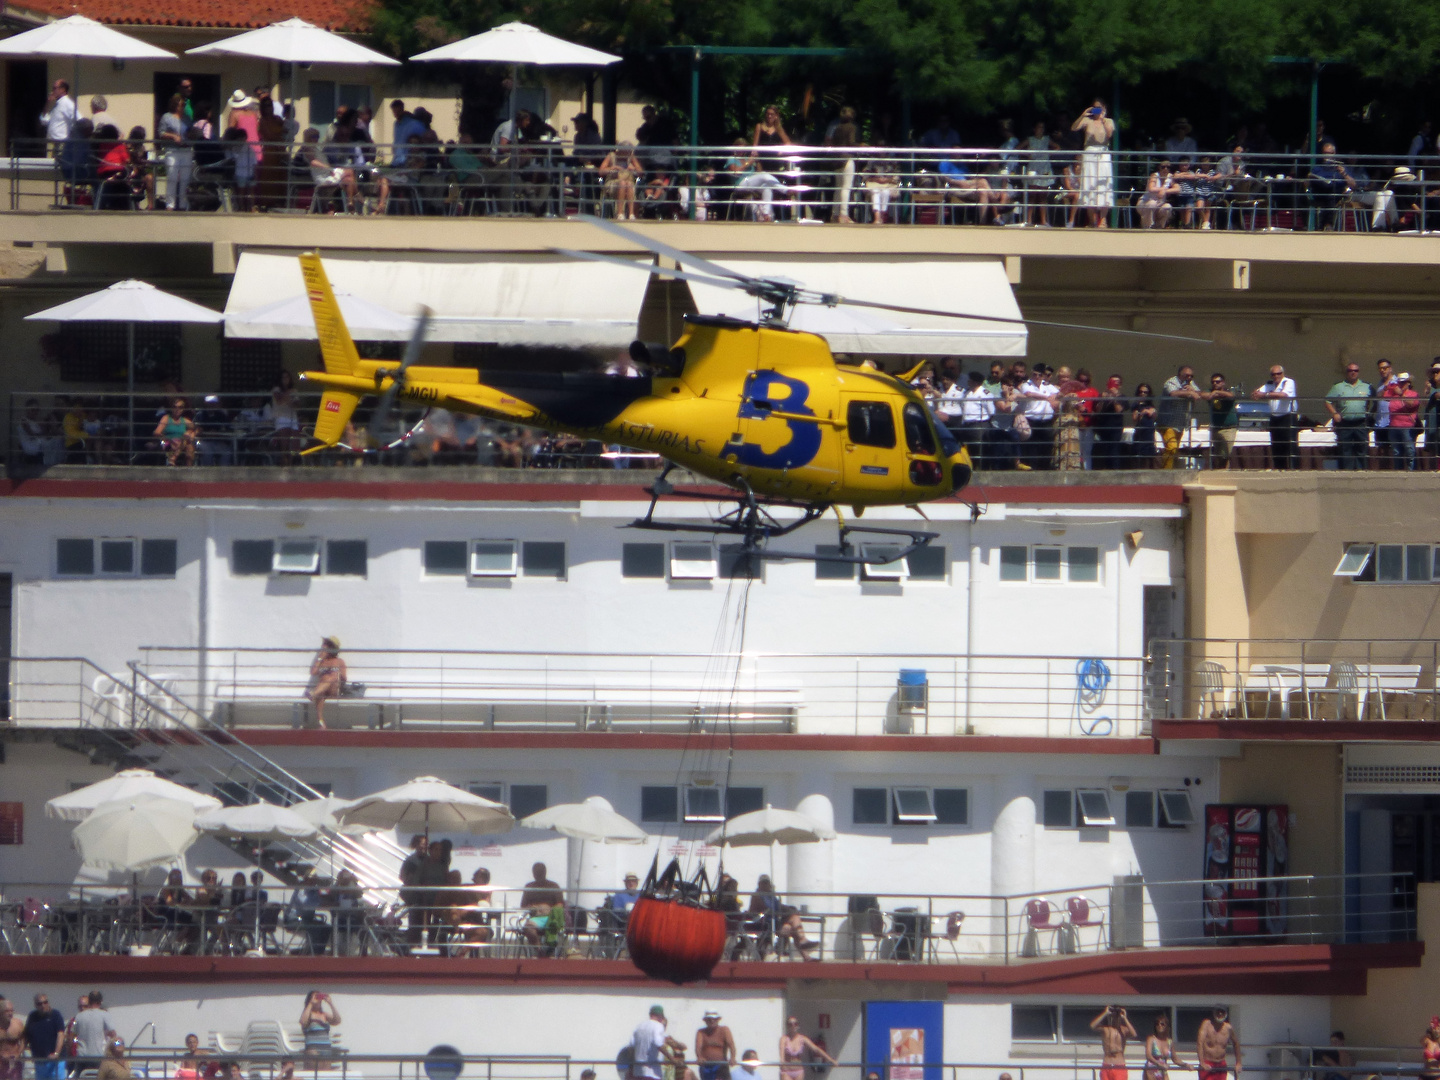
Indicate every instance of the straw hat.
{"type": "Point", "coordinates": [241, 100]}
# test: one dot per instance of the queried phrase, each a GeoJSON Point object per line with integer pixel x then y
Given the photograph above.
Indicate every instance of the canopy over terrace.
{"type": "Point", "coordinates": [976, 286]}
{"type": "Point", "coordinates": [505, 300]}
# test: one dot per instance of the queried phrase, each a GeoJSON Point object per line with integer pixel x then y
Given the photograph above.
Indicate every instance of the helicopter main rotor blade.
{"type": "Point", "coordinates": [651, 268]}
{"type": "Point", "coordinates": [380, 418]}
{"type": "Point", "coordinates": [660, 248]}
{"type": "Point", "coordinates": [904, 310]}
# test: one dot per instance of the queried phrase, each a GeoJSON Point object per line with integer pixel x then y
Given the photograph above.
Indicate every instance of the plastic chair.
{"type": "Point", "coordinates": [1040, 918]}
{"type": "Point", "coordinates": [1081, 915]}
{"type": "Point", "coordinates": [1212, 686]}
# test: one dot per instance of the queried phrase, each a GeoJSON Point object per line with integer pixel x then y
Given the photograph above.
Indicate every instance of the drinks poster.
{"type": "Point", "coordinates": [907, 1053]}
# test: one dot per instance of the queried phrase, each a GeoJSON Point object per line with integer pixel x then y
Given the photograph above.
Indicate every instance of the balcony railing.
{"type": "Point", "coordinates": [1287, 192]}
{"type": "Point", "coordinates": [478, 920]}
{"type": "Point", "coordinates": [108, 429]}
{"type": "Point", "coordinates": [1294, 679]}
{"type": "Point", "coordinates": [812, 693]}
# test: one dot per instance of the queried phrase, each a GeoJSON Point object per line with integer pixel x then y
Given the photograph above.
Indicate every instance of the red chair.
{"type": "Point", "coordinates": [1081, 914]}
{"type": "Point", "coordinates": [1040, 917]}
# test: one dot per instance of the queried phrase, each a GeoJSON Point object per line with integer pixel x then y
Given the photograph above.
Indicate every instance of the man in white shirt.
{"type": "Point", "coordinates": [647, 1047]}
{"type": "Point", "coordinates": [60, 112]}
{"type": "Point", "coordinates": [977, 411]}
{"type": "Point", "coordinates": [1039, 394]}
{"type": "Point", "coordinates": [1281, 393]}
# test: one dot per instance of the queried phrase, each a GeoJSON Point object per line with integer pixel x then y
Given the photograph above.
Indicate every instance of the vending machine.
{"type": "Point", "coordinates": [1246, 849]}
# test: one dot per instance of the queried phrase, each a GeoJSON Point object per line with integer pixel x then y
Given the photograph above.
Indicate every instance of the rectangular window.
{"type": "Point", "coordinates": [642, 561]}
{"type": "Point", "coordinates": [743, 800]}
{"type": "Point", "coordinates": [75, 558]}
{"type": "Point", "coordinates": [828, 569]}
{"type": "Point", "coordinates": [444, 558]}
{"type": "Point", "coordinates": [493, 792]}
{"type": "Point", "coordinates": [1047, 564]}
{"type": "Point", "coordinates": [117, 557]}
{"type": "Point", "coordinates": [252, 556]}
{"type": "Point", "coordinates": [1390, 563]}
{"type": "Point", "coordinates": [493, 558]}
{"type": "Point", "coordinates": [913, 806]}
{"type": "Point", "coordinates": [1417, 562]}
{"type": "Point", "coordinates": [1188, 1021]}
{"type": "Point", "coordinates": [1075, 1023]}
{"type": "Point", "coordinates": [928, 563]}
{"type": "Point", "coordinates": [952, 806]}
{"type": "Point", "coordinates": [1139, 809]}
{"type": "Point", "coordinates": [870, 806]}
{"type": "Point", "coordinates": [527, 799]}
{"type": "Point", "coordinates": [691, 561]}
{"type": "Point", "coordinates": [158, 558]}
{"type": "Point", "coordinates": [1083, 564]}
{"type": "Point", "coordinates": [1094, 808]}
{"type": "Point", "coordinates": [297, 557]}
{"type": "Point", "coordinates": [1014, 564]}
{"type": "Point", "coordinates": [890, 568]}
{"type": "Point", "coordinates": [1176, 810]}
{"type": "Point", "coordinates": [870, 423]}
{"type": "Point", "coordinates": [1355, 559]}
{"type": "Point", "coordinates": [1033, 1023]}
{"type": "Point", "coordinates": [736, 562]}
{"type": "Point", "coordinates": [346, 558]}
{"type": "Point", "coordinates": [703, 804]}
{"type": "Point", "coordinates": [1058, 809]}
{"type": "Point", "coordinates": [543, 558]}
{"type": "Point", "coordinates": [659, 804]}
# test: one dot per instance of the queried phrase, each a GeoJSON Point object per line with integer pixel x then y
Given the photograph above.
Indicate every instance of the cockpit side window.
{"type": "Point", "coordinates": [919, 436]}
{"type": "Point", "coordinates": [871, 423]}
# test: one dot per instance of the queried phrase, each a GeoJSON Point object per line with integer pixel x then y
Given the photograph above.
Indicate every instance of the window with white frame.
{"type": "Point", "coordinates": [297, 556]}
{"type": "Point", "coordinates": [1163, 809]}
{"type": "Point", "coordinates": [690, 561]}
{"type": "Point", "coordinates": [115, 557]}
{"type": "Point", "coordinates": [883, 563]}
{"type": "Point", "coordinates": [1066, 808]}
{"type": "Point", "coordinates": [698, 804]}
{"type": "Point", "coordinates": [929, 563]}
{"type": "Point", "coordinates": [1049, 564]}
{"type": "Point", "coordinates": [494, 558]}
{"type": "Point", "coordinates": [913, 806]}
{"type": "Point", "coordinates": [522, 799]}
{"type": "Point", "coordinates": [1390, 564]}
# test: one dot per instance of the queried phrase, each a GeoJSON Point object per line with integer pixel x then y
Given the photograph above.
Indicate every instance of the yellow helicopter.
{"type": "Point", "coordinates": [764, 410]}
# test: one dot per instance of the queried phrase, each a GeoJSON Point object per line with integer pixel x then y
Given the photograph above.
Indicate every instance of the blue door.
{"type": "Point", "coordinates": [905, 1040]}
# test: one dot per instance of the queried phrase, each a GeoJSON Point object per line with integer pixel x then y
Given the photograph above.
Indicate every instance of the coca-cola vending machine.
{"type": "Point", "coordinates": [1246, 847]}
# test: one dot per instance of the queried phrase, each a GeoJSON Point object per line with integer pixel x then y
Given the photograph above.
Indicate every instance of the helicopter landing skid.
{"type": "Point", "coordinates": [753, 523]}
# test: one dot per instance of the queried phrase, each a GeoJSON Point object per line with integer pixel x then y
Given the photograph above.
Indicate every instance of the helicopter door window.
{"type": "Point", "coordinates": [871, 423]}
{"type": "Point", "coordinates": [919, 436]}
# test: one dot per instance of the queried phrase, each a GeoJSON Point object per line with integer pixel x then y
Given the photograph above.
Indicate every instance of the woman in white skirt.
{"type": "Point", "coordinates": [1097, 173]}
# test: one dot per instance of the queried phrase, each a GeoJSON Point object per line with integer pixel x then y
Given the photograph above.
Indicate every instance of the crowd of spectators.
{"type": "Point", "coordinates": [1038, 417]}
{"type": "Point", "coordinates": [249, 153]}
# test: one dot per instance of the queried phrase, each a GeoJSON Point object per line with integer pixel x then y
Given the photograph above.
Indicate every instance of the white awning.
{"type": "Point", "coordinates": [971, 285]}
{"type": "Point", "coordinates": [507, 299]}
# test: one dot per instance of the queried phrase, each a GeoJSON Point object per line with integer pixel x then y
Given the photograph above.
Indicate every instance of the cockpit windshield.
{"type": "Point", "coordinates": [919, 435]}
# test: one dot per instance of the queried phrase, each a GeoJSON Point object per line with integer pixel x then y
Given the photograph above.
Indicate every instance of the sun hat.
{"type": "Point", "coordinates": [712, 1015]}
{"type": "Point", "coordinates": [240, 100]}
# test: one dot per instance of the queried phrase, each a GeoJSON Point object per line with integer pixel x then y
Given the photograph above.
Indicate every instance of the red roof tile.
{"type": "Point", "coordinates": [343, 15]}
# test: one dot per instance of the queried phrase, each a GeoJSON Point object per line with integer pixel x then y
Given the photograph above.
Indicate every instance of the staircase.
{"type": "Point", "coordinates": [141, 724]}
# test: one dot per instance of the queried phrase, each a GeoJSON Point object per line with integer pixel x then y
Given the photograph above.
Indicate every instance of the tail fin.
{"type": "Point", "coordinates": [336, 349]}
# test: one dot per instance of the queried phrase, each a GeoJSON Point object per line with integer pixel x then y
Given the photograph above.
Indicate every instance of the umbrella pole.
{"type": "Point", "coordinates": [75, 85]}
{"type": "Point", "coordinates": [130, 393]}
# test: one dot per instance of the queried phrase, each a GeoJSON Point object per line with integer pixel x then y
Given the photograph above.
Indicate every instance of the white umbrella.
{"type": "Point", "coordinates": [127, 784]}
{"type": "Point", "coordinates": [517, 43]}
{"type": "Point", "coordinates": [136, 833]}
{"type": "Point", "coordinates": [428, 802]}
{"type": "Point", "coordinates": [257, 821]}
{"type": "Point", "coordinates": [594, 820]}
{"type": "Point", "coordinates": [76, 37]}
{"type": "Point", "coordinates": [321, 813]}
{"type": "Point", "coordinates": [520, 43]}
{"type": "Point", "coordinates": [294, 41]}
{"type": "Point", "coordinates": [768, 827]}
{"type": "Point", "coordinates": [292, 318]}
